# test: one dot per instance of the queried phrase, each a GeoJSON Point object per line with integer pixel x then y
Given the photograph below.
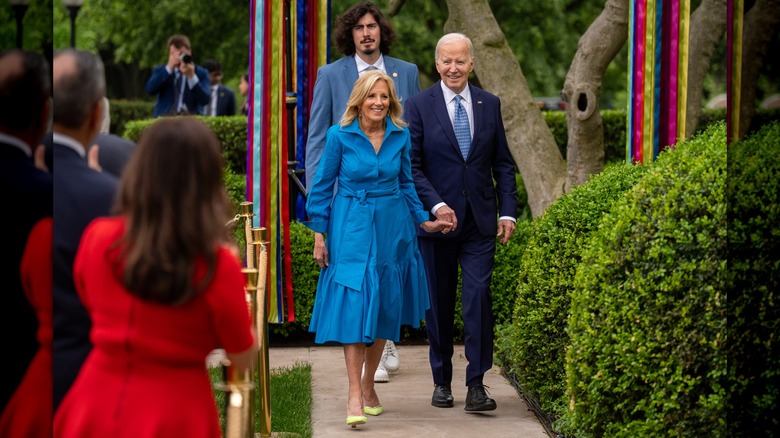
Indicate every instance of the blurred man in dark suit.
{"type": "Point", "coordinates": [81, 194]}
{"type": "Point", "coordinates": [25, 93]}
{"type": "Point", "coordinates": [223, 99]}
{"type": "Point", "coordinates": [107, 152]}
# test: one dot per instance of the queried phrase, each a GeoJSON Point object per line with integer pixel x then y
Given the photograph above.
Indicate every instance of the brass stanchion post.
{"type": "Point", "coordinates": [239, 387]}
{"type": "Point", "coordinates": [261, 321]}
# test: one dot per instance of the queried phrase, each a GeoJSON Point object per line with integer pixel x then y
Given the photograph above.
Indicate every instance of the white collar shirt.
{"type": "Point", "coordinates": [363, 66]}
{"type": "Point", "coordinates": [15, 142]}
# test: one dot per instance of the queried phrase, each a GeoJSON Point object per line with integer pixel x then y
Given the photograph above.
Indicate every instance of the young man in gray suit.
{"type": "Point", "coordinates": [464, 174]}
{"type": "Point", "coordinates": [364, 36]}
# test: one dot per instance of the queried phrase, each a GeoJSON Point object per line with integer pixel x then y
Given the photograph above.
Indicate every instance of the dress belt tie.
{"type": "Point", "coordinates": [353, 255]}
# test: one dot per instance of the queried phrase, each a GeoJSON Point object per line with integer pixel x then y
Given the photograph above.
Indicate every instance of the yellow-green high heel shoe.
{"type": "Point", "coordinates": [354, 420]}
{"type": "Point", "coordinates": [376, 410]}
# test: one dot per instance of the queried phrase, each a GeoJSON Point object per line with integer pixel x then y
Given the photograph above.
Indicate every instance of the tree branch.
{"type": "Point", "coordinates": [582, 88]}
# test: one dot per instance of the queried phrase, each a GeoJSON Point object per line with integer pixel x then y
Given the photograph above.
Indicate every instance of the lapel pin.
{"type": "Point", "coordinates": [479, 102]}
{"type": "Point", "coordinates": [395, 75]}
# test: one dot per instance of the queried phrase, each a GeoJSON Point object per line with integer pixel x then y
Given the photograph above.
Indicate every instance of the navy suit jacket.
{"type": "Point", "coordinates": [331, 92]}
{"type": "Point", "coordinates": [162, 84]}
{"type": "Point", "coordinates": [485, 179]}
{"type": "Point", "coordinates": [226, 102]}
{"type": "Point", "coordinates": [27, 196]}
{"type": "Point", "coordinates": [81, 194]}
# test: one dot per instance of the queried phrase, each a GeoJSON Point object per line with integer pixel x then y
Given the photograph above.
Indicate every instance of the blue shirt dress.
{"type": "Point", "coordinates": [375, 281]}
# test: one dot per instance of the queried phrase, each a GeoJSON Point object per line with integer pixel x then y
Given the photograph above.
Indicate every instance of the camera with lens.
{"type": "Point", "coordinates": [185, 58]}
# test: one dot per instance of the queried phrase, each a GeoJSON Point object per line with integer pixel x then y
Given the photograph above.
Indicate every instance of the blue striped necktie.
{"type": "Point", "coordinates": [462, 130]}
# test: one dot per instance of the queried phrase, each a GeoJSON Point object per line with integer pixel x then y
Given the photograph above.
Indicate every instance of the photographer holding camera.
{"type": "Point", "coordinates": [182, 87]}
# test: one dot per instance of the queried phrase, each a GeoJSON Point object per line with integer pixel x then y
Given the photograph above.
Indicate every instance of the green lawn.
{"type": "Point", "coordinates": [291, 400]}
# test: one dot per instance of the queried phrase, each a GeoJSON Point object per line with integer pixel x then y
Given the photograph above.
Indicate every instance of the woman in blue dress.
{"type": "Point", "coordinates": [363, 199]}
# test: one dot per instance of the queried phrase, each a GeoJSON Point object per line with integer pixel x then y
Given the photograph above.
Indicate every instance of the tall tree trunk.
{"type": "Point", "coordinates": [532, 144]}
{"type": "Point", "coordinates": [582, 89]}
{"type": "Point", "coordinates": [759, 27]}
{"type": "Point", "coordinates": [708, 24]}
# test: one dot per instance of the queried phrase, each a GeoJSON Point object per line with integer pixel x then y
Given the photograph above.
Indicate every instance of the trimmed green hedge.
{"type": "Point", "coordinates": [753, 194]}
{"type": "Point", "coordinates": [648, 313]}
{"type": "Point", "coordinates": [533, 347]}
{"type": "Point", "coordinates": [231, 131]}
{"type": "Point", "coordinates": [124, 111]}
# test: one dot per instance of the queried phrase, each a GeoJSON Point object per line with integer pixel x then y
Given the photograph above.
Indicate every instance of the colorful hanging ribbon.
{"type": "Point", "coordinates": [657, 76]}
{"type": "Point", "coordinates": [268, 183]}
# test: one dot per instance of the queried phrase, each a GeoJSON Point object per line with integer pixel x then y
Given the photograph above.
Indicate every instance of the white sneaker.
{"type": "Point", "coordinates": [381, 376]}
{"type": "Point", "coordinates": [390, 358]}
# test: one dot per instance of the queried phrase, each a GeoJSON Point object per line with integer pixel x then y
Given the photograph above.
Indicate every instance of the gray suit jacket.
{"type": "Point", "coordinates": [331, 91]}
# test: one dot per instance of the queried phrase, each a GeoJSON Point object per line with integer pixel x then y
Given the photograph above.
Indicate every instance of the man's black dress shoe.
{"type": "Point", "coordinates": [477, 400]}
{"type": "Point", "coordinates": [442, 397]}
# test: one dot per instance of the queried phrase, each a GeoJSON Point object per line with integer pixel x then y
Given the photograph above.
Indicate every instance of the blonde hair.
{"type": "Point", "coordinates": [360, 93]}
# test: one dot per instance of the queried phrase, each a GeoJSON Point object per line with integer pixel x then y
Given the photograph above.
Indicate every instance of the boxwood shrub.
{"type": "Point", "coordinates": [753, 193]}
{"type": "Point", "coordinates": [648, 352]}
{"type": "Point", "coordinates": [231, 131]}
{"type": "Point", "coordinates": [534, 345]}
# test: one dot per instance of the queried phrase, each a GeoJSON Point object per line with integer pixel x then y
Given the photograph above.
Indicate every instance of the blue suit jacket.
{"type": "Point", "coordinates": [80, 195]}
{"type": "Point", "coordinates": [442, 175]}
{"type": "Point", "coordinates": [331, 92]}
{"type": "Point", "coordinates": [161, 83]}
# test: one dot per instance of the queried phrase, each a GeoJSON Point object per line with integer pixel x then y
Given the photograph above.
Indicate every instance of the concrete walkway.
{"type": "Point", "coordinates": [407, 399]}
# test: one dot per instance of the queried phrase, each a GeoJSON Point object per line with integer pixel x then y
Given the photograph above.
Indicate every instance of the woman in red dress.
{"type": "Point", "coordinates": [163, 287]}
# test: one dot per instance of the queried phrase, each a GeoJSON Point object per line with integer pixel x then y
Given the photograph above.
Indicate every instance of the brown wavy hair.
{"type": "Point", "coordinates": [173, 196]}
{"type": "Point", "coordinates": [346, 21]}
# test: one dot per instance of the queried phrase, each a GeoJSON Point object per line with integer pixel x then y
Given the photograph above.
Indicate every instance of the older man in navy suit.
{"type": "Point", "coordinates": [464, 174]}
{"type": "Point", "coordinates": [81, 194]}
{"type": "Point", "coordinates": [364, 35]}
{"type": "Point", "coordinates": [181, 86]}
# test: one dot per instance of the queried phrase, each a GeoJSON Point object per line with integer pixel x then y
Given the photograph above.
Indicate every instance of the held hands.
{"type": "Point", "coordinates": [446, 214]}
{"type": "Point", "coordinates": [436, 226]}
{"type": "Point", "coordinates": [507, 228]}
{"type": "Point", "coordinates": [320, 250]}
